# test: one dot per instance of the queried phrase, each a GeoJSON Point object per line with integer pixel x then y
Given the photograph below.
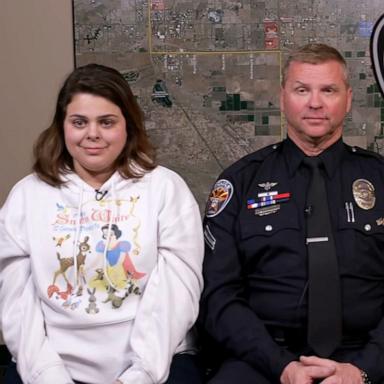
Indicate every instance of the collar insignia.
{"type": "Point", "coordinates": [267, 186]}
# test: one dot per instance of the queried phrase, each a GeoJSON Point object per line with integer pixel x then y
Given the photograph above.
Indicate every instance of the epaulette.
{"type": "Point", "coordinates": [257, 156]}
{"type": "Point", "coordinates": [263, 153]}
{"type": "Point", "coordinates": [364, 152]}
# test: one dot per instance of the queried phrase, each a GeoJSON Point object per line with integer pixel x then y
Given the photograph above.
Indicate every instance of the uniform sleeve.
{"type": "Point", "coordinates": [21, 317]}
{"type": "Point", "coordinates": [225, 313]}
{"type": "Point", "coordinates": [170, 303]}
{"type": "Point", "coordinates": [371, 358]}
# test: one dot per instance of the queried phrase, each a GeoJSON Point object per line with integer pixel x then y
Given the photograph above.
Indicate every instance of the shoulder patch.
{"type": "Point", "coordinates": [220, 196]}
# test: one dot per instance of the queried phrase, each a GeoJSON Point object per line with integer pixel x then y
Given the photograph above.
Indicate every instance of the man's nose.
{"type": "Point", "coordinates": [315, 100]}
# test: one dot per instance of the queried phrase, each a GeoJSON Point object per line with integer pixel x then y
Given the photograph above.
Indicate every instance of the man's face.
{"type": "Point", "coordinates": [315, 100]}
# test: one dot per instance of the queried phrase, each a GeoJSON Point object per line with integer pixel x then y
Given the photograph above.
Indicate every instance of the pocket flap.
{"type": "Point", "coordinates": [286, 217]}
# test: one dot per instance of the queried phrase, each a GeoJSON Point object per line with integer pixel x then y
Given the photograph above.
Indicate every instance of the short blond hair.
{"type": "Point", "coordinates": [315, 53]}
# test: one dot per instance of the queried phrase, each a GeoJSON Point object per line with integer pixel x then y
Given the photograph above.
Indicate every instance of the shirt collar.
{"type": "Point", "coordinates": [294, 156]}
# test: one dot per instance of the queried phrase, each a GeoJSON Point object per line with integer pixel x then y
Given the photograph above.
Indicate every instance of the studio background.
{"type": "Point", "coordinates": [206, 73]}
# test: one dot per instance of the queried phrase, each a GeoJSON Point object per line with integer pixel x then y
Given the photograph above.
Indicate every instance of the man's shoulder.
{"type": "Point", "coordinates": [365, 154]}
{"type": "Point", "coordinates": [250, 161]}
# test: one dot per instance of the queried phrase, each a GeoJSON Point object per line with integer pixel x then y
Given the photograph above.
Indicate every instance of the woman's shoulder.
{"type": "Point", "coordinates": [168, 185]}
{"type": "Point", "coordinates": [168, 180]}
{"type": "Point", "coordinates": [166, 175]}
{"type": "Point", "coordinates": [22, 194]}
{"type": "Point", "coordinates": [28, 182]}
{"type": "Point", "coordinates": [29, 188]}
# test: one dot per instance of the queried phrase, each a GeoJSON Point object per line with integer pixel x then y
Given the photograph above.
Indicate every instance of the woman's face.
{"type": "Point", "coordinates": [95, 134]}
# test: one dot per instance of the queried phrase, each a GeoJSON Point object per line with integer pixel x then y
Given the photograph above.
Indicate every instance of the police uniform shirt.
{"type": "Point", "coordinates": [255, 264]}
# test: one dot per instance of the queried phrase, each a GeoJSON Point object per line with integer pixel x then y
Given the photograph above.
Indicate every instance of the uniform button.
{"type": "Point", "coordinates": [268, 228]}
{"type": "Point", "coordinates": [274, 146]}
{"type": "Point", "coordinates": [367, 227]}
{"type": "Point", "coordinates": [354, 149]}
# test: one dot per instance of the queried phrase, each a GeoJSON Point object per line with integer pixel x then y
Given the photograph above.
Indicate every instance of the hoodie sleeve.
{"type": "Point", "coordinates": [21, 317]}
{"type": "Point", "coordinates": [170, 303]}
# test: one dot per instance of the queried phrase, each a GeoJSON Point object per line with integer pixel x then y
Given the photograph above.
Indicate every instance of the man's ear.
{"type": "Point", "coordinates": [377, 52]}
{"type": "Point", "coordinates": [281, 99]}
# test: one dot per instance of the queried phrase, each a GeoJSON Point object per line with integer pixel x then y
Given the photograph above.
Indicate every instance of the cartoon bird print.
{"type": "Point", "coordinates": [60, 240]}
{"type": "Point", "coordinates": [61, 208]}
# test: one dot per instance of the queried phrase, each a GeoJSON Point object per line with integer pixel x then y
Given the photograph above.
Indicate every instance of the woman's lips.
{"type": "Point", "coordinates": [93, 150]}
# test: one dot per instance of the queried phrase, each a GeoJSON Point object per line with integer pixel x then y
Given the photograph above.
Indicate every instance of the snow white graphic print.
{"type": "Point", "coordinates": [96, 251]}
{"type": "Point", "coordinates": [120, 269]}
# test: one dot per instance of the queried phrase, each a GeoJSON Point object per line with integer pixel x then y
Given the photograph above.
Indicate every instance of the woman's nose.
{"type": "Point", "coordinates": [93, 131]}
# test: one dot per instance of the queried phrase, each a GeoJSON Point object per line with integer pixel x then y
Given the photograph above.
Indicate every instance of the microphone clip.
{"type": "Point", "coordinates": [99, 195]}
{"type": "Point", "coordinates": [308, 210]}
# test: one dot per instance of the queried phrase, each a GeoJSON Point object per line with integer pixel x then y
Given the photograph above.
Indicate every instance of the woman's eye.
{"type": "Point", "coordinates": [78, 123]}
{"type": "Point", "coordinates": [107, 123]}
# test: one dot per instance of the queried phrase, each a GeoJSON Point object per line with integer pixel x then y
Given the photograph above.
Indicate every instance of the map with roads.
{"type": "Point", "coordinates": [207, 73]}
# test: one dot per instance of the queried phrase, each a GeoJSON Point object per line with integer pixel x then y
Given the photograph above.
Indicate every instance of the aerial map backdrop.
{"type": "Point", "coordinates": [207, 73]}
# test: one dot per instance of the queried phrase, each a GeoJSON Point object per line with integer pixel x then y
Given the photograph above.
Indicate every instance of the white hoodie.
{"type": "Point", "coordinates": [73, 308]}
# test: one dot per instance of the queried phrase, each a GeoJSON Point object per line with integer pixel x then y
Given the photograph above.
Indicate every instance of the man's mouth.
{"type": "Point", "coordinates": [315, 119]}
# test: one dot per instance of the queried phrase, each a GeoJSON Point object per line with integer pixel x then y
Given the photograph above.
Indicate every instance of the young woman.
{"type": "Point", "coordinates": [100, 249]}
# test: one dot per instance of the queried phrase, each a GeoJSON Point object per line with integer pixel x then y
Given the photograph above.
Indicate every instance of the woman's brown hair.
{"type": "Point", "coordinates": [52, 159]}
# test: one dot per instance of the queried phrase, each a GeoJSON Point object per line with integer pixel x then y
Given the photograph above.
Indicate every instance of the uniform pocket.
{"type": "Point", "coordinates": [361, 241]}
{"type": "Point", "coordinates": [367, 222]}
{"type": "Point", "coordinates": [287, 217]}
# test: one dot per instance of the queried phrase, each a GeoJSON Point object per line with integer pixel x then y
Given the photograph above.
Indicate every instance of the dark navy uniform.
{"type": "Point", "coordinates": [255, 300]}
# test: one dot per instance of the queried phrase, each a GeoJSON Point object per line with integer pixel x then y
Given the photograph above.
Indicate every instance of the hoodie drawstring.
{"type": "Point", "coordinates": [112, 206]}
{"type": "Point", "coordinates": [77, 236]}
{"type": "Point", "coordinates": [108, 239]}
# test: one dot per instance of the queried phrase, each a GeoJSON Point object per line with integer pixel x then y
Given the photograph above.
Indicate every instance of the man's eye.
{"type": "Point", "coordinates": [301, 90]}
{"type": "Point", "coordinates": [329, 90]}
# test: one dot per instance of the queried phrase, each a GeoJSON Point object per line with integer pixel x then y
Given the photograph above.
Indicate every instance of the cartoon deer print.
{"type": "Point", "coordinates": [67, 262]}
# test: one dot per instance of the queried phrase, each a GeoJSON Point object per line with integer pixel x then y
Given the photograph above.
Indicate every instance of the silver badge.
{"type": "Point", "coordinates": [364, 194]}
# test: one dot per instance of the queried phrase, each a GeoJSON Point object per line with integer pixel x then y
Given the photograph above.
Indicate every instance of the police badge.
{"type": "Point", "coordinates": [364, 193]}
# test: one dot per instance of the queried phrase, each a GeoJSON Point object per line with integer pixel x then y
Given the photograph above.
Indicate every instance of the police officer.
{"type": "Point", "coordinates": [255, 306]}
